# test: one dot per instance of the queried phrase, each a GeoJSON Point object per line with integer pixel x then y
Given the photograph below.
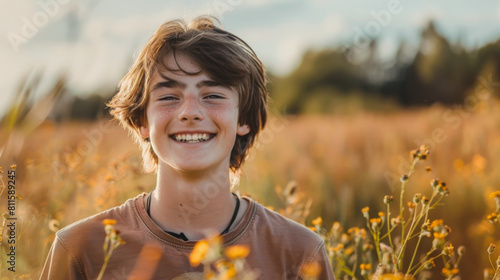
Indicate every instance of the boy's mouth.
{"type": "Point", "coordinates": [192, 137]}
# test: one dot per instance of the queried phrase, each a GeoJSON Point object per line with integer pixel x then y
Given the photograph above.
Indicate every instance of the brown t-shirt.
{"type": "Point", "coordinates": [279, 247]}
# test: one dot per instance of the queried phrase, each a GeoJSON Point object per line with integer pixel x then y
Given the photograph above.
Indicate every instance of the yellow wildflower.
{"type": "Point", "coordinates": [367, 247]}
{"type": "Point", "coordinates": [337, 248]}
{"type": "Point", "coordinates": [437, 224]}
{"type": "Point", "coordinates": [411, 206]}
{"type": "Point", "coordinates": [450, 272]}
{"type": "Point", "coordinates": [493, 217]}
{"type": "Point", "coordinates": [311, 269]}
{"type": "Point", "coordinates": [495, 194]}
{"type": "Point", "coordinates": [318, 221]}
{"type": "Point", "coordinates": [349, 251]}
{"type": "Point", "coordinates": [227, 268]}
{"type": "Point", "coordinates": [109, 222]}
{"type": "Point", "coordinates": [365, 266]}
{"type": "Point", "coordinates": [365, 212]}
{"type": "Point", "coordinates": [230, 273]}
{"type": "Point", "coordinates": [363, 233]}
{"type": "Point", "coordinates": [237, 251]}
{"type": "Point", "coordinates": [199, 251]}
{"type": "Point", "coordinates": [353, 230]}
{"type": "Point", "coordinates": [440, 235]}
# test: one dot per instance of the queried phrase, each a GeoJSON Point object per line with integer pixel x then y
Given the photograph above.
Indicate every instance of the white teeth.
{"type": "Point", "coordinates": [192, 138]}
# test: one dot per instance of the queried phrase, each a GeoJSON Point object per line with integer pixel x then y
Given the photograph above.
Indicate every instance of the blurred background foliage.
{"type": "Point", "coordinates": [440, 72]}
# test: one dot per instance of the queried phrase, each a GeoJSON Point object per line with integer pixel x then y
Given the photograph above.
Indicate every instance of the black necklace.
{"type": "Point", "coordinates": [182, 235]}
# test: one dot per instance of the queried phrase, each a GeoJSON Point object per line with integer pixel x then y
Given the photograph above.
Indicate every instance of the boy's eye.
{"type": "Point", "coordinates": [168, 98]}
{"type": "Point", "coordinates": [214, 96]}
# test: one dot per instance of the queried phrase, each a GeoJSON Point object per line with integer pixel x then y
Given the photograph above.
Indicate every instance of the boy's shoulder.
{"type": "Point", "coordinates": [91, 227]}
{"type": "Point", "coordinates": [273, 224]}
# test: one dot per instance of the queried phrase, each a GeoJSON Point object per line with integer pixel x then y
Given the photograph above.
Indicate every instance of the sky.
{"type": "Point", "coordinates": [95, 41]}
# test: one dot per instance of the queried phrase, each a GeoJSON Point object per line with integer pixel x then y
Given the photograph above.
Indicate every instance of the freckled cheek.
{"type": "Point", "coordinates": [160, 118]}
{"type": "Point", "coordinates": [228, 117]}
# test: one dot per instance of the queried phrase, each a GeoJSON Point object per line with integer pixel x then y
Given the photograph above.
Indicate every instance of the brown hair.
{"type": "Point", "coordinates": [223, 56]}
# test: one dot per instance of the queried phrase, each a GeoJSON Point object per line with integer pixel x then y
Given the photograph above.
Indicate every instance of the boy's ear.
{"type": "Point", "coordinates": [243, 130]}
{"type": "Point", "coordinates": [144, 131]}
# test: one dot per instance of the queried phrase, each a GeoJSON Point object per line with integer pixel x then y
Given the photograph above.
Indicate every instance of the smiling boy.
{"type": "Point", "coordinates": [195, 100]}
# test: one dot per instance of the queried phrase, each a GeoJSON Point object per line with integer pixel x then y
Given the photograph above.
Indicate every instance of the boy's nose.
{"type": "Point", "coordinates": [191, 110]}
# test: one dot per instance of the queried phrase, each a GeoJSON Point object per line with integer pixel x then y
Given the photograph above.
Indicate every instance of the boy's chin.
{"type": "Point", "coordinates": [194, 167]}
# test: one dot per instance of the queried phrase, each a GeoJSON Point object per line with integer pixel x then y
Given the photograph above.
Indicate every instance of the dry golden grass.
{"type": "Point", "coordinates": [341, 162]}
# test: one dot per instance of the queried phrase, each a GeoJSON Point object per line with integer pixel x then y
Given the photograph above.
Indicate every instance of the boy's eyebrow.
{"type": "Point", "coordinates": [172, 83]}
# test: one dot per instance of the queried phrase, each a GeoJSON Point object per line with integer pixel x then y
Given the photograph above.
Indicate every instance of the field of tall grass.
{"type": "Point", "coordinates": [68, 171]}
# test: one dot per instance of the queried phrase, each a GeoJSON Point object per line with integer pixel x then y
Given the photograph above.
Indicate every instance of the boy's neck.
{"type": "Point", "coordinates": [197, 205]}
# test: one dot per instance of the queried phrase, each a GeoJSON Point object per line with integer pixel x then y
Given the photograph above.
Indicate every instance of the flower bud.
{"type": "Point", "coordinates": [448, 250]}
{"type": "Point", "coordinates": [365, 212]}
{"type": "Point", "coordinates": [404, 178]}
{"type": "Point", "coordinates": [491, 248]}
{"type": "Point", "coordinates": [388, 199]}
{"type": "Point", "coordinates": [411, 206]}
{"type": "Point", "coordinates": [376, 223]}
{"type": "Point", "coordinates": [395, 221]}
{"type": "Point", "coordinates": [425, 200]}
{"type": "Point", "coordinates": [493, 217]}
{"type": "Point", "coordinates": [429, 265]}
{"type": "Point", "coordinates": [434, 183]}
{"type": "Point", "coordinates": [417, 197]}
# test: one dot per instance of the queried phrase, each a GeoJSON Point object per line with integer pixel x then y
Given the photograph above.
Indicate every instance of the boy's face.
{"type": "Point", "coordinates": [192, 121]}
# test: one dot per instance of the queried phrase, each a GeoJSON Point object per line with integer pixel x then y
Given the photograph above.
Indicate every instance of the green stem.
{"type": "Point", "coordinates": [425, 210]}
{"type": "Point", "coordinates": [387, 234]}
{"type": "Point", "coordinates": [422, 263]}
{"type": "Point", "coordinates": [491, 263]}
{"type": "Point", "coordinates": [344, 268]}
{"type": "Point", "coordinates": [355, 266]}
{"type": "Point", "coordinates": [105, 264]}
{"type": "Point", "coordinates": [401, 200]}
{"type": "Point", "coordinates": [388, 221]}
{"type": "Point", "coordinates": [407, 237]}
{"type": "Point", "coordinates": [377, 245]}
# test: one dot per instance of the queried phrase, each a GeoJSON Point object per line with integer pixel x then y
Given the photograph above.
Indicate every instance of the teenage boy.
{"type": "Point", "coordinates": [195, 100]}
